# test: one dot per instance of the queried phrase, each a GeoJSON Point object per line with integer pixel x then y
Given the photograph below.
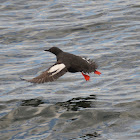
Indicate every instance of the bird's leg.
{"type": "Point", "coordinates": [86, 76]}
{"type": "Point", "coordinates": [97, 72]}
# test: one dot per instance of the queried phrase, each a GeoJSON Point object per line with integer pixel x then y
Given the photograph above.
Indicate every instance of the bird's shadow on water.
{"type": "Point", "coordinates": [78, 103]}
{"type": "Point", "coordinates": [32, 102]}
{"type": "Point", "coordinates": [73, 104]}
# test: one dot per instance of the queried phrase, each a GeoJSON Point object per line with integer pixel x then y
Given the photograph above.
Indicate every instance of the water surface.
{"type": "Point", "coordinates": [106, 107]}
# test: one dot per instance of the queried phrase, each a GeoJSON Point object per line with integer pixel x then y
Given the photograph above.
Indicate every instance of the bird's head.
{"type": "Point", "coordinates": [54, 50]}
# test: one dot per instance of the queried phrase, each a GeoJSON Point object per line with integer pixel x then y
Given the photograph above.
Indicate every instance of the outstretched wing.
{"type": "Point", "coordinates": [53, 73]}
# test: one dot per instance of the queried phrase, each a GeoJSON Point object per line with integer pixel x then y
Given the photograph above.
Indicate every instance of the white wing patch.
{"type": "Point", "coordinates": [56, 68]}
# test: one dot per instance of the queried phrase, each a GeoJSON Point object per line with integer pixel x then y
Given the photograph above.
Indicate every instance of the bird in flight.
{"type": "Point", "coordinates": [66, 62]}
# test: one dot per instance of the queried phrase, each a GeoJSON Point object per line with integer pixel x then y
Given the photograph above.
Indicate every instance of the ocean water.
{"type": "Point", "coordinates": [105, 108]}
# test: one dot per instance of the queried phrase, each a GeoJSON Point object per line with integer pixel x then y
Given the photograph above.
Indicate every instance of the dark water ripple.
{"type": "Point", "coordinates": [105, 108]}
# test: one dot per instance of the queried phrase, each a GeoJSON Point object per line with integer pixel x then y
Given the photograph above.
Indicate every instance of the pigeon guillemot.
{"type": "Point", "coordinates": [66, 62]}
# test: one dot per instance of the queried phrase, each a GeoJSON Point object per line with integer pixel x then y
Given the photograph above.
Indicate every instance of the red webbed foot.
{"type": "Point", "coordinates": [97, 72]}
{"type": "Point", "coordinates": [86, 76]}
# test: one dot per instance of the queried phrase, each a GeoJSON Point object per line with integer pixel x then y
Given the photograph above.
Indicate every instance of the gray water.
{"type": "Point", "coordinates": [105, 108]}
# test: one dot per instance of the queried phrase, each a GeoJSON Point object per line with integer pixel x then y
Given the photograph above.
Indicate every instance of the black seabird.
{"type": "Point", "coordinates": [66, 62]}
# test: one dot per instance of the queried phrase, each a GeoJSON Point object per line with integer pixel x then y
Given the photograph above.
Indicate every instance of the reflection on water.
{"type": "Point", "coordinates": [78, 103]}
{"type": "Point", "coordinates": [32, 102]}
{"type": "Point", "coordinates": [107, 106]}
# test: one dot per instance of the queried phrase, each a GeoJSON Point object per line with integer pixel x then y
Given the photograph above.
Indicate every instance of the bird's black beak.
{"type": "Point", "coordinates": [46, 50]}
